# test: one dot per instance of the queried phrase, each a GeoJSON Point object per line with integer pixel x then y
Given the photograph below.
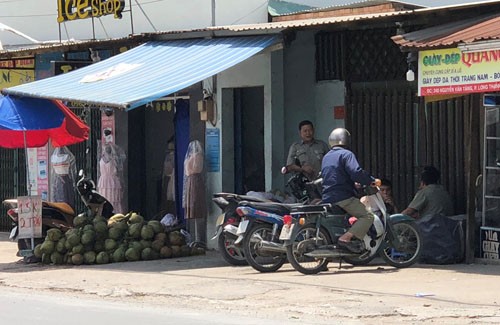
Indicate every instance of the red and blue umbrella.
{"type": "Point", "coordinates": [27, 122]}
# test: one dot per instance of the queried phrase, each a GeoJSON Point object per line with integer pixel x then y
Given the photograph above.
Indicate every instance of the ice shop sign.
{"type": "Point", "coordinates": [68, 10]}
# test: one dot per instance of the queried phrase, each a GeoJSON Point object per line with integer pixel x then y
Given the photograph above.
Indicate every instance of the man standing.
{"type": "Point", "coordinates": [431, 198]}
{"type": "Point", "coordinates": [309, 152]}
{"type": "Point", "coordinates": [341, 171]}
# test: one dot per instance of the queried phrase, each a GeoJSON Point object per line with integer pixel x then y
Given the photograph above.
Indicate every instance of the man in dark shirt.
{"type": "Point", "coordinates": [340, 171]}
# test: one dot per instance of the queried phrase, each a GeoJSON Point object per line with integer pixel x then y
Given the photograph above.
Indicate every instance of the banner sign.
{"type": "Point", "coordinates": [489, 243]}
{"type": "Point", "coordinates": [451, 72]}
{"type": "Point", "coordinates": [68, 10]}
{"type": "Point", "coordinates": [29, 216]}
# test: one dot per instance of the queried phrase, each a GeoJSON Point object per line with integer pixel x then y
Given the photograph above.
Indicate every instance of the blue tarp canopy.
{"type": "Point", "coordinates": [147, 72]}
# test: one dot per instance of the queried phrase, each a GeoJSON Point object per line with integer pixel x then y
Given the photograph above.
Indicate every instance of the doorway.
{"type": "Point", "coordinates": [249, 139]}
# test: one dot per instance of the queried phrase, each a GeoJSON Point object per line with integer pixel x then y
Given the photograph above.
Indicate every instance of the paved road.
{"type": "Point", "coordinates": [374, 294]}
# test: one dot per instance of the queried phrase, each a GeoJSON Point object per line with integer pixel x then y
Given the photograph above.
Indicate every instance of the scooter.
{"type": "Point", "coordinates": [227, 225]}
{"type": "Point", "coordinates": [59, 214]}
{"type": "Point", "coordinates": [311, 237]}
{"type": "Point", "coordinates": [261, 223]}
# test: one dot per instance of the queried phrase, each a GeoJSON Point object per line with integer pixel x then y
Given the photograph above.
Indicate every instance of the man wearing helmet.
{"type": "Point", "coordinates": [309, 152]}
{"type": "Point", "coordinates": [340, 171]}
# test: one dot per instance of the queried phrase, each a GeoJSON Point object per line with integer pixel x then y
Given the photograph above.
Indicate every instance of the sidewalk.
{"type": "Point", "coordinates": [374, 294]}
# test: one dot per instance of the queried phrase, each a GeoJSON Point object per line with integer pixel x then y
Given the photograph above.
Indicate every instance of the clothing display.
{"type": "Point", "coordinates": [109, 184]}
{"type": "Point", "coordinates": [168, 179]}
{"type": "Point", "coordinates": [63, 176]}
{"type": "Point", "coordinates": [194, 189]}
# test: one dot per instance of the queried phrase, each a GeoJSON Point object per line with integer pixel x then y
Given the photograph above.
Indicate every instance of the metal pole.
{"type": "Point", "coordinates": [131, 16]}
{"type": "Point", "coordinates": [213, 12]}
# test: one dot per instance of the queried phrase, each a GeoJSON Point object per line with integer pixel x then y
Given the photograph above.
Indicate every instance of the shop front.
{"type": "Point", "coordinates": [451, 66]}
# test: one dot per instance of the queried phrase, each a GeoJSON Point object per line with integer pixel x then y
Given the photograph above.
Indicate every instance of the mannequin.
{"type": "Point", "coordinates": [194, 190]}
{"type": "Point", "coordinates": [63, 176]}
{"type": "Point", "coordinates": [109, 184]}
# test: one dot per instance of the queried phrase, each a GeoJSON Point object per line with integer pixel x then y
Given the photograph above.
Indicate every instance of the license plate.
{"type": "Point", "coordinates": [242, 227]}
{"type": "Point", "coordinates": [220, 220]}
{"type": "Point", "coordinates": [13, 233]}
{"type": "Point", "coordinates": [286, 232]}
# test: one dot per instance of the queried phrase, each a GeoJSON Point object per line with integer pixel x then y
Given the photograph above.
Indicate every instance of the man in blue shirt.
{"type": "Point", "coordinates": [340, 171]}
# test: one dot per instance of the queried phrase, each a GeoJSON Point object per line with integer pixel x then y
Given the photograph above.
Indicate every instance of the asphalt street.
{"type": "Point", "coordinates": [373, 294]}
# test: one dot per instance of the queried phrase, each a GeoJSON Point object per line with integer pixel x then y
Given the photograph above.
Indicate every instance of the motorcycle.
{"type": "Point", "coordinates": [311, 237]}
{"type": "Point", "coordinates": [227, 224]}
{"type": "Point", "coordinates": [261, 223]}
{"type": "Point", "coordinates": [59, 214]}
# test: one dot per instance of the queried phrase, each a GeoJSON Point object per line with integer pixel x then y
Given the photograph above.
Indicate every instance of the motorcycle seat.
{"type": "Point", "coordinates": [61, 206]}
{"type": "Point", "coordinates": [319, 208]}
{"type": "Point", "coordinates": [272, 207]}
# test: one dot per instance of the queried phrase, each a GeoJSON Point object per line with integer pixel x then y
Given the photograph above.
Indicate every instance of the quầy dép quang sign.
{"type": "Point", "coordinates": [449, 71]}
{"type": "Point", "coordinates": [68, 10]}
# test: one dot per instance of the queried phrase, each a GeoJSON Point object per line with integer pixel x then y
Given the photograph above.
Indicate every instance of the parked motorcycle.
{"type": "Point", "coordinates": [59, 214]}
{"type": "Point", "coordinates": [311, 237]}
{"type": "Point", "coordinates": [227, 225]}
{"type": "Point", "coordinates": [261, 223]}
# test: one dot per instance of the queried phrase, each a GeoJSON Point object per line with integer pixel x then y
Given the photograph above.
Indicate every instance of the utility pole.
{"type": "Point", "coordinates": [213, 12]}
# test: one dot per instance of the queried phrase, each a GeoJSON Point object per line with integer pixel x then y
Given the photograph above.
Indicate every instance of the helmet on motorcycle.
{"type": "Point", "coordinates": [339, 137]}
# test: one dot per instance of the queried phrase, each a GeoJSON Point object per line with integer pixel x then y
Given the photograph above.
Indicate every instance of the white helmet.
{"type": "Point", "coordinates": [339, 137]}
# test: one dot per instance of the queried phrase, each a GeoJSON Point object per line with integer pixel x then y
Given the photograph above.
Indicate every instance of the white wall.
{"type": "Point", "coordinates": [305, 99]}
{"type": "Point", "coordinates": [38, 18]}
{"type": "Point", "coordinates": [255, 71]}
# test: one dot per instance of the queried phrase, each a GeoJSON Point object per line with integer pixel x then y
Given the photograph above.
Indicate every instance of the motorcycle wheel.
{"type": "Point", "coordinates": [230, 252]}
{"type": "Point", "coordinates": [409, 248]}
{"type": "Point", "coordinates": [304, 242]}
{"type": "Point", "coordinates": [262, 261]}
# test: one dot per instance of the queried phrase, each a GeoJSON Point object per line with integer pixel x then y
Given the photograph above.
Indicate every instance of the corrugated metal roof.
{"type": "Point", "coordinates": [464, 31]}
{"type": "Point", "coordinates": [147, 72]}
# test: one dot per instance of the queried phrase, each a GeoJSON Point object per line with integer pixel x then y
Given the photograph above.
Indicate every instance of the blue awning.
{"type": "Point", "coordinates": [147, 72]}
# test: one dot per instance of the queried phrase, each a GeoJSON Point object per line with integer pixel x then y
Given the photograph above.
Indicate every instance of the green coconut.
{"type": "Point", "coordinates": [157, 245]}
{"type": "Point", "coordinates": [115, 233]}
{"type": "Point", "coordinates": [161, 237]}
{"type": "Point", "coordinates": [176, 250]}
{"type": "Point", "coordinates": [88, 237]}
{"type": "Point", "coordinates": [102, 258]}
{"type": "Point", "coordinates": [80, 220]}
{"type": "Point", "coordinates": [110, 244]}
{"type": "Point", "coordinates": [146, 254]}
{"type": "Point", "coordinates": [61, 245]}
{"type": "Point", "coordinates": [166, 252]}
{"type": "Point", "coordinates": [54, 234]}
{"type": "Point", "coordinates": [88, 227]}
{"type": "Point", "coordinates": [72, 240]}
{"type": "Point", "coordinates": [176, 238]}
{"type": "Point", "coordinates": [157, 226]}
{"type": "Point", "coordinates": [101, 227]}
{"type": "Point", "coordinates": [37, 251]}
{"type": "Point", "coordinates": [134, 230]}
{"type": "Point", "coordinates": [77, 259]}
{"type": "Point", "coordinates": [99, 246]}
{"type": "Point", "coordinates": [89, 257]}
{"type": "Point", "coordinates": [78, 249]}
{"type": "Point", "coordinates": [145, 243]}
{"type": "Point", "coordinates": [99, 219]}
{"type": "Point", "coordinates": [136, 244]}
{"type": "Point", "coordinates": [47, 247]}
{"type": "Point", "coordinates": [132, 254]}
{"type": "Point", "coordinates": [119, 255]}
{"type": "Point", "coordinates": [46, 258]}
{"type": "Point", "coordinates": [147, 232]}
{"type": "Point", "coordinates": [56, 258]}
{"type": "Point", "coordinates": [135, 218]}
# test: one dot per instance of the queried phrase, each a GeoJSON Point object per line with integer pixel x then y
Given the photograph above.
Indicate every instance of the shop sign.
{"type": "Point", "coordinates": [68, 10]}
{"type": "Point", "coordinates": [30, 216]}
{"type": "Point", "coordinates": [490, 245]}
{"type": "Point", "coordinates": [451, 72]}
{"type": "Point", "coordinates": [60, 67]}
{"type": "Point", "coordinates": [15, 72]}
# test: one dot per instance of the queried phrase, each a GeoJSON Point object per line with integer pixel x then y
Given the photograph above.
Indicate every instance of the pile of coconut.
{"type": "Point", "coordinates": [119, 239]}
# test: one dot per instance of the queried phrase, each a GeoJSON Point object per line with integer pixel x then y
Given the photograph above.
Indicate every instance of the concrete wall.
{"type": "Point", "coordinates": [158, 16]}
{"type": "Point", "coordinates": [305, 99]}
